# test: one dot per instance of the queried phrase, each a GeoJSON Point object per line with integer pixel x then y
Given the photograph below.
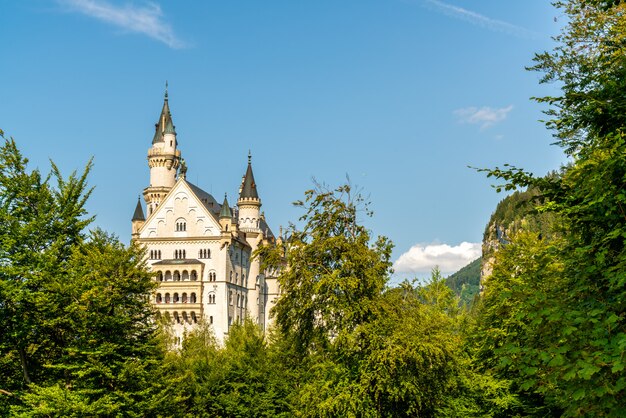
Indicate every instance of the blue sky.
{"type": "Point", "coordinates": [400, 95]}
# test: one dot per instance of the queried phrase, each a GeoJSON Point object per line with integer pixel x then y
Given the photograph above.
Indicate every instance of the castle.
{"type": "Point", "coordinates": [200, 250]}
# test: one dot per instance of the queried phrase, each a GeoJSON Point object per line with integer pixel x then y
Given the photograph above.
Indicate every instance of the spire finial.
{"type": "Point", "coordinates": [249, 156]}
{"type": "Point", "coordinates": [165, 89]}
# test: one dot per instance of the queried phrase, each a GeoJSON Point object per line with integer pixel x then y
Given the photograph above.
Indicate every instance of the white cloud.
{"type": "Point", "coordinates": [484, 116]}
{"type": "Point", "coordinates": [421, 258]}
{"type": "Point", "coordinates": [480, 20]}
{"type": "Point", "coordinates": [147, 20]}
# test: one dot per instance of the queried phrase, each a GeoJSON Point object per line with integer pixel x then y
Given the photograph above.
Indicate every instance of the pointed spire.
{"type": "Point", "coordinates": [169, 127]}
{"type": "Point", "coordinates": [138, 215]}
{"type": "Point", "coordinates": [248, 189]}
{"type": "Point", "coordinates": [165, 125]}
{"type": "Point", "coordinates": [225, 213]}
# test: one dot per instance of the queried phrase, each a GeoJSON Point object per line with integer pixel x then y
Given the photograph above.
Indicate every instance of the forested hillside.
{"type": "Point", "coordinates": [465, 283]}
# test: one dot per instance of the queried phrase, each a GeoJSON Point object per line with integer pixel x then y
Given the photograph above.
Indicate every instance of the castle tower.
{"type": "Point", "coordinates": [249, 203]}
{"type": "Point", "coordinates": [138, 220]}
{"type": "Point", "coordinates": [163, 159]}
{"type": "Point", "coordinates": [226, 216]}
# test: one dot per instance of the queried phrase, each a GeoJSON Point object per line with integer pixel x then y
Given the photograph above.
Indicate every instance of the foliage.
{"type": "Point", "coordinates": [242, 378]}
{"type": "Point", "coordinates": [518, 211]}
{"type": "Point", "coordinates": [358, 349]}
{"type": "Point", "coordinates": [333, 275]}
{"type": "Point", "coordinates": [556, 311]}
{"type": "Point", "coordinates": [75, 323]}
{"type": "Point", "coordinates": [589, 62]}
{"type": "Point", "coordinates": [465, 283]}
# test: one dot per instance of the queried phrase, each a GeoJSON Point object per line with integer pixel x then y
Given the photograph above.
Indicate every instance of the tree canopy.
{"type": "Point", "coordinates": [553, 319]}
{"type": "Point", "coordinates": [76, 331]}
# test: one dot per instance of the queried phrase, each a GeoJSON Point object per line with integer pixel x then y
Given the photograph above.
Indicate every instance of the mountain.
{"type": "Point", "coordinates": [466, 282]}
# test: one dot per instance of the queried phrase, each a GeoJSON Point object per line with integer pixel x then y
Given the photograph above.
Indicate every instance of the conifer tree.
{"type": "Point", "coordinates": [77, 335]}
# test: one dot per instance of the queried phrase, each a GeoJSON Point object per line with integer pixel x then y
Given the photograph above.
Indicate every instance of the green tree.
{"type": "Point", "coordinates": [357, 348]}
{"type": "Point", "coordinates": [40, 225]}
{"type": "Point", "coordinates": [77, 335]}
{"type": "Point", "coordinates": [577, 337]}
{"type": "Point", "coordinates": [333, 275]}
{"type": "Point", "coordinates": [242, 378]}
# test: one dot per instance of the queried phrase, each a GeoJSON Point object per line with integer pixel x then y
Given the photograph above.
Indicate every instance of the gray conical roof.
{"type": "Point", "coordinates": [249, 186]}
{"type": "Point", "coordinates": [138, 215]}
{"type": "Point", "coordinates": [165, 124]}
{"type": "Point", "coordinates": [225, 212]}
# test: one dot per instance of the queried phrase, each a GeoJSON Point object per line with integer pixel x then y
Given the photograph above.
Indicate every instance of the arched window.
{"type": "Point", "coordinates": [176, 298]}
{"type": "Point", "coordinates": [185, 275]}
{"type": "Point", "coordinates": [176, 318]}
{"type": "Point", "coordinates": [184, 254]}
{"type": "Point", "coordinates": [168, 276]}
{"type": "Point", "coordinates": [159, 276]}
{"type": "Point", "coordinates": [210, 319]}
{"type": "Point", "coordinates": [176, 254]}
{"type": "Point", "coordinates": [184, 297]}
{"type": "Point", "coordinates": [231, 276]}
{"type": "Point", "coordinates": [194, 275]}
{"type": "Point", "coordinates": [194, 318]}
{"type": "Point", "coordinates": [167, 298]}
{"type": "Point", "coordinates": [181, 225]}
{"type": "Point", "coordinates": [159, 298]}
{"type": "Point", "coordinates": [176, 276]}
{"type": "Point", "coordinates": [237, 300]}
{"type": "Point", "coordinates": [159, 255]}
{"type": "Point", "coordinates": [200, 253]}
{"type": "Point", "coordinates": [192, 298]}
{"type": "Point", "coordinates": [185, 317]}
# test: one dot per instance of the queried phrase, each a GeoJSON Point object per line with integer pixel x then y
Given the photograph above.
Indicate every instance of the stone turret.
{"type": "Point", "coordinates": [138, 219]}
{"type": "Point", "coordinates": [163, 158]}
{"type": "Point", "coordinates": [226, 216]}
{"type": "Point", "coordinates": [249, 203]}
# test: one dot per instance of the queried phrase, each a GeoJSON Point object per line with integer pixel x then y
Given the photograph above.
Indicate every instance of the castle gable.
{"type": "Point", "coordinates": [186, 211]}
